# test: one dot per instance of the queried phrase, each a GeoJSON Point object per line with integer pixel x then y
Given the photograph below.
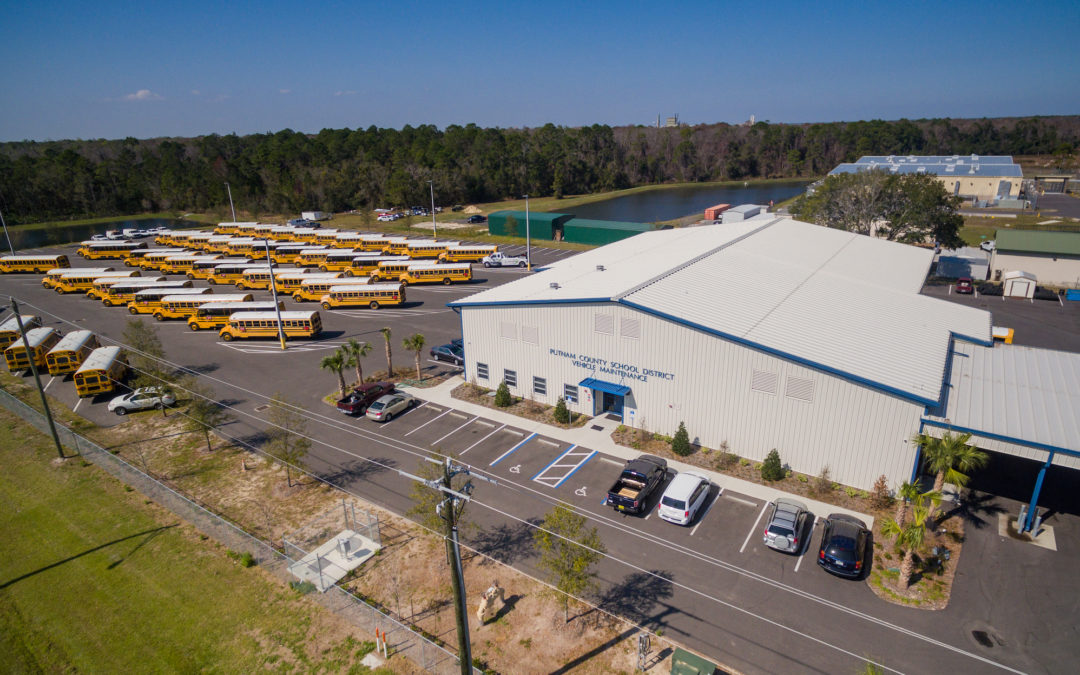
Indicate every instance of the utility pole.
{"type": "Point", "coordinates": [528, 237]}
{"type": "Point", "coordinates": [37, 379]}
{"type": "Point", "coordinates": [273, 291]}
{"type": "Point", "coordinates": [450, 510]}
{"type": "Point", "coordinates": [6, 235]}
{"type": "Point", "coordinates": [434, 225]}
{"type": "Point", "coordinates": [233, 208]}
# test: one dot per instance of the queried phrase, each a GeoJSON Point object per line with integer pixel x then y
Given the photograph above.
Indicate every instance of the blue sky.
{"type": "Point", "coordinates": [144, 69]}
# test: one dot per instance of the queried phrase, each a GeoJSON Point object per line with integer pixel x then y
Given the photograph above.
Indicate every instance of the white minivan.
{"type": "Point", "coordinates": [684, 496]}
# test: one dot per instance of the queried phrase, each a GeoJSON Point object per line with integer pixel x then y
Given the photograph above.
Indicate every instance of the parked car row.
{"type": "Point", "coordinates": [789, 524]}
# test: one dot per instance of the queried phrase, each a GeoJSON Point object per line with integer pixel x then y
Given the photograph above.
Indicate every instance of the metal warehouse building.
{"type": "Point", "coordinates": [767, 333]}
{"type": "Point", "coordinates": [972, 176]}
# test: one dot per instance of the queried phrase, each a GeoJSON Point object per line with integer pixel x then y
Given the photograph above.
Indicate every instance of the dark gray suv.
{"type": "Point", "coordinates": [785, 525]}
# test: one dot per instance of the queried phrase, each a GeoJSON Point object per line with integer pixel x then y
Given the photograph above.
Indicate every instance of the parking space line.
{"type": "Point", "coordinates": [513, 449]}
{"type": "Point", "coordinates": [459, 415]}
{"type": "Point", "coordinates": [573, 466]}
{"type": "Point", "coordinates": [48, 383]}
{"type": "Point", "coordinates": [611, 461]}
{"type": "Point", "coordinates": [702, 516]}
{"type": "Point", "coordinates": [481, 440]}
{"type": "Point", "coordinates": [455, 431]}
{"type": "Point", "coordinates": [76, 408]}
{"type": "Point", "coordinates": [754, 528]}
{"type": "Point", "coordinates": [447, 411]}
{"type": "Point", "coordinates": [806, 544]}
{"type": "Point", "coordinates": [547, 442]}
{"type": "Point", "coordinates": [742, 501]}
{"type": "Point", "coordinates": [487, 424]}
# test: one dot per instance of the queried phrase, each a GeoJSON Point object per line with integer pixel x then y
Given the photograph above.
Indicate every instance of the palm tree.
{"type": "Point", "coordinates": [415, 343]}
{"type": "Point", "coordinates": [335, 363]}
{"type": "Point", "coordinates": [910, 537]}
{"type": "Point", "coordinates": [951, 458]}
{"type": "Point", "coordinates": [356, 351]}
{"type": "Point", "coordinates": [389, 363]}
{"type": "Point", "coordinates": [908, 492]}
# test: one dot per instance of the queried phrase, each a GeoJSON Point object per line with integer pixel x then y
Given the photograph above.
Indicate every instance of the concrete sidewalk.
{"type": "Point", "coordinates": [601, 441]}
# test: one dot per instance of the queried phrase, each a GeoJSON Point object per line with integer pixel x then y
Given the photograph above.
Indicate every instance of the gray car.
{"type": "Point", "coordinates": [785, 525]}
{"type": "Point", "coordinates": [386, 407]}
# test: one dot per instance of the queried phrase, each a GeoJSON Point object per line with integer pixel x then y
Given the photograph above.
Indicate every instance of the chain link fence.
{"type": "Point", "coordinates": [401, 639]}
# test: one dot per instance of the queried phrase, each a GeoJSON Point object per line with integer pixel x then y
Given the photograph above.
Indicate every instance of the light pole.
{"type": "Point", "coordinates": [528, 238]}
{"type": "Point", "coordinates": [233, 208]}
{"type": "Point", "coordinates": [6, 235]}
{"type": "Point", "coordinates": [434, 225]}
{"type": "Point", "coordinates": [37, 378]}
{"type": "Point", "coordinates": [273, 291]}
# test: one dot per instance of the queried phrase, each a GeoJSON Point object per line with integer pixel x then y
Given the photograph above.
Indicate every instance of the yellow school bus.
{"type": "Point", "coordinates": [109, 250]}
{"type": "Point", "coordinates": [426, 248]}
{"type": "Point", "coordinates": [184, 306]}
{"type": "Point", "coordinates": [353, 240]}
{"type": "Point", "coordinates": [9, 330]}
{"type": "Point", "coordinates": [339, 260]}
{"type": "Point", "coordinates": [120, 294]}
{"type": "Point", "coordinates": [286, 253]}
{"type": "Point", "coordinates": [246, 247]}
{"type": "Point", "coordinates": [392, 270]}
{"type": "Point", "coordinates": [138, 258]}
{"type": "Point", "coordinates": [204, 269]}
{"type": "Point", "coordinates": [100, 372]}
{"type": "Point", "coordinates": [265, 325]}
{"type": "Point", "coordinates": [216, 314]}
{"type": "Point", "coordinates": [157, 259]}
{"type": "Point", "coordinates": [256, 277]}
{"type": "Point", "coordinates": [101, 286]}
{"type": "Point", "coordinates": [38, 264]}
{"type": "Point", "coordinates": [52, 277]}
{"type": "Point", "coordinates": [327, 237]}
{"type": "Point", "coordinates": [229, 228]}
{"type": "Point", "coordinates": [289, 280]}
{"type": "Point", "coordinates": [466, 253]}
{"type": "Point", "coordinates": [173, 238]}
{"type": "Point", "coordinates": [437, 274]}
{"type": "Point", "coordinates": [372, 296]}
{"type": "Point", "coordinates": [363, 266]}
{"type": "Point", "coordinates": [182, 264]}
{"type": "Point", "coordinates": [244, 229]}
{"type": "Point", "coordinates": [41, 340]}
{"type": "Point", "coordinates": [69, 353]}
{"type": "Point", "coordinates": [312, 290]}
{"type": "Point", "coordinates": [198, 240]}
{"type": "Point", "coordinates": [374, 243]}
{"type": "Point", "coordinates": [396, 246]}
{"type": "Point", "coordinates": [77, 281]}
{"type": "Point", "coordinates": [218, 243]}
{"type": "Point", "coordinates": [305, 235]}
{"type": "Point", "coordinates": [313, 256]}
{"type": "Point", "coordinates": [281, 232]}
{"type": "Point", "coordinates": [148, 301]}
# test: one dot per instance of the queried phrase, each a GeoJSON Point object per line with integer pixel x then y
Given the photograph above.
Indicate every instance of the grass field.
{"type": "Point", "coordinates": [93, 577]}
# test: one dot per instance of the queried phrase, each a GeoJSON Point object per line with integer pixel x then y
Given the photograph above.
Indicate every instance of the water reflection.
{"type": "Point", "coordinates": [651, 206]}
{"type": "Point", "coordinates": [67, 234]}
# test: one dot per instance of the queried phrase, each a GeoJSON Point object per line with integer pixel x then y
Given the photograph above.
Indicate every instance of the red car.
{"type": "Point", "coordinates": [963, 286]}
{"type": "Point", "coordinates": [358, 401]}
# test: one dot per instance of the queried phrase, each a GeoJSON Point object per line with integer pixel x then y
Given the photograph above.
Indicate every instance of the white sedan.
{"type": "Point", "coordinates": [141, 399]}
{"type": "Point", "coordinates": [386, 407]}
{"type": "Point", "coordinates": [683, 498]}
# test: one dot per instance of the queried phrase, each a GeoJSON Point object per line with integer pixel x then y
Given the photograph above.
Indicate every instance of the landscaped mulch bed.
{"type": "Point", "coordinates": [538, 412]}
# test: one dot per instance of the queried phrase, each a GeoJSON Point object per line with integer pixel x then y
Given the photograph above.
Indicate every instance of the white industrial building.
{"type": "Point", "coordinates": [766, 333]}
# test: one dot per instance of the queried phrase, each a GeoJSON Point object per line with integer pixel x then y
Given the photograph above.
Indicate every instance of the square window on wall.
{"type": "Point", "coordinates": [540, 386]}
{"type": "Point", "coordinates": [481, 371]}
{"type": "Point", "coordinates": [510, 377]}
{"type": "Point", "coordinates": [570, 393]}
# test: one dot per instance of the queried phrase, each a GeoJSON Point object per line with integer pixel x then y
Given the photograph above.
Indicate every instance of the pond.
{"type": "Point", "coordinates": [68, 234]}
{"type": "Point", "coordinates": [650, 206]}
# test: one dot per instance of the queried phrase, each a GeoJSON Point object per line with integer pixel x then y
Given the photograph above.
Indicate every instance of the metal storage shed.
{"type": "Point", "coordinates": [586, 231]}
{"type": "Point", "coordinates": [512, 223]}
{"type": "Point", "coordinates": [1019, 285]}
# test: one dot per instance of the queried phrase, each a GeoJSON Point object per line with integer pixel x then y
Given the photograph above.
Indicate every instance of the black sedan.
{"type": "Point", "coordinates": [843, 545]}
{"type": "Point", "coordinates": [449, 353]}
{"type": "Point", "coordinates": [476, 219]}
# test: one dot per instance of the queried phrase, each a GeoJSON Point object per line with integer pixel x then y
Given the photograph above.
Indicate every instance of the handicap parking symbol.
{"type": "Point", "coordinates": [515, 469]}
{"type": "Point", "coordinates": [580, 491]}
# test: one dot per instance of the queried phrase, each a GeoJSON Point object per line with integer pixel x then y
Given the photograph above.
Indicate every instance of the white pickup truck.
{"type": "Point", "coordinates": [497, 259]}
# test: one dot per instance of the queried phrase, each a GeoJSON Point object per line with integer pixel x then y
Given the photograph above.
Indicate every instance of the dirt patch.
{"type": "Point", "coordinates": [524, 408]}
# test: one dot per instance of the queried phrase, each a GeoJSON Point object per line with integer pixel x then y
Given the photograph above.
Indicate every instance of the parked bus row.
{"type": "Point", "coordinates": [94, 369]}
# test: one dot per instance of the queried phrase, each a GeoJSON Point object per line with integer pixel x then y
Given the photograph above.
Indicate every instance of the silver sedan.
{"type": "Point", "coordinates": [386, 407]}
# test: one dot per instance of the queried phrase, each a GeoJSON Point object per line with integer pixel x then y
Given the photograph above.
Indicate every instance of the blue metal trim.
{"type": "Point", "coordinates": [503, 303]}
{"type": "Point", "coordinates": [608, 387]}
{"type": "Point", "coordinates": [784, 355]}
{"type": "Point", "coordinates": [968, 338]}
{"type": "Point", "coordinates": [1002, 437]}
{"type": "Point", "coordinates": [918, 457]}
{"type": "Point", "coordinates": [1029, 519]}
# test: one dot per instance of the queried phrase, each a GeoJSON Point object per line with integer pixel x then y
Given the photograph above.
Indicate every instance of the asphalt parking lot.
{"type": "Point", "coordinates": [712, 584]}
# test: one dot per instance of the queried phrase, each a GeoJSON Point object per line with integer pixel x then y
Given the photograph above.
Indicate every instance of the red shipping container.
{"type": "Point", "coordinates": [713, 212]}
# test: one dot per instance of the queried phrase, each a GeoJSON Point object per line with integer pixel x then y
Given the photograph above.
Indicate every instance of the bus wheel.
{"type": "Point", "coordinates": [210, 280]}
{"type": "Point", "coordinates": [227, 337]}
{"type": "Point", "coordinates": [132, 310]}
{"type": "Point", "coordinates": [323, 268]}
{"type": "Point", "coordinates": [190, 276]}
{"type": "Point", "coordinates": [446, 282]}
{"type": "Point", "coordinates": [59, 290]}
{"type": "Point", "coordinates": [159, 317]}
{"type": "Point", "coordinates": [373, 305]}
{"type": "Point", "coordinates": [193, 326]}
{"type": "Point", "coordinates": [106, 302]}
{"type": "Point", "coordinates": [326, 305]}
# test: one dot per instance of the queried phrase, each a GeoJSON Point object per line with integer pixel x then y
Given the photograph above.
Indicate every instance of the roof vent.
{"type": "Point", "coordinates": [553, 285]}
{"type": "Point", "coordinates": [599, 268]}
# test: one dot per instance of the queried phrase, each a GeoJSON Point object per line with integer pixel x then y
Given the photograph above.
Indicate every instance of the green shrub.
{"type": "Point", "coordinates": [245, 559]}
{"type": "Point", "coordinates": [562, 414]}
{"type": "Point", "coordinates": [851, 492]}
{"type": "Point", "coordinates": [772, 469]}
{"type": "Point", "coordinates": [502, 396]}
{"type": "Point", "coordinates": [803, 478]}
{"type": "Point", "coordinates": [744, 462]}
{"type": "Point", "coordinates": [680, 442]}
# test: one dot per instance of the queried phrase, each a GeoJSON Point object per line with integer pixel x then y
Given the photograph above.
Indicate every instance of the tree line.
{"type": "Point", "coordinates": [342, 169]}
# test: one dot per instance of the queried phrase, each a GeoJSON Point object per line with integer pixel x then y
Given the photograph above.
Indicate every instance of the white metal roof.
{"type": "Point", "coordinates": [831, 299]}
{"type": "Point", "coordinates": [99, 358]}
{"type": "Point", "coordinates": [72, 341]}
{"type": "Point", "coordinates": [240, 305]}
{"type": "Point", "coordinates": [1016, 392]}
{"type": "Point", "coordinates": [35, 336]}
{"type": "Point", "coordinates": [161, 292]}
{"type": "Point", "coordinates": [206, 297]}
{"type": "Point", "coordinates": [12, 323]}
{"type": "Point", "coordinates": [345, 288]}
{"type": "Point", "coordinates": [336, 281]}
{"type": "Point", "coordinates": [272, 316]}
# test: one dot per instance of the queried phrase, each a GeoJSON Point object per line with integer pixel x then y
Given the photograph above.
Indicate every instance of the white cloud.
{"type": "Point", "coordinates": [143, 95]}
{"type": "Point", "coordinates": [284, 91]}
{"type": "Point", "coordinates": [196, 92]}
{"type": "Point", "coordinates": [347, 92]}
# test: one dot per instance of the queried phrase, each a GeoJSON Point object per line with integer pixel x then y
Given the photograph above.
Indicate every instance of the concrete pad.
{"type": "Point", "coordinates": [329, 563]}
{"type": "Point", "coordinates": [373, 660]}
{"type": "Point", "coordinates": [1010, 527]}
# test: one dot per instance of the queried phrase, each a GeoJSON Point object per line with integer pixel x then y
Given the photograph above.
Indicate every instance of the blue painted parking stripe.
{"type": "Point", "coordinates": [568, 451]}
{"type": "Point", "coordinates": [576, 468]}
{"type": "Point", "coordinates": [511, 450]}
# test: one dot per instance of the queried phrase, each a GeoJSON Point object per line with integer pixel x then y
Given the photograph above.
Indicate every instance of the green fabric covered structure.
{"type": "Point", "coordinates": [599, 232]}
{"type": "Point", "coordinates": [544, 226]}
{"type": "Point", "coordinates": [1037, 241]}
